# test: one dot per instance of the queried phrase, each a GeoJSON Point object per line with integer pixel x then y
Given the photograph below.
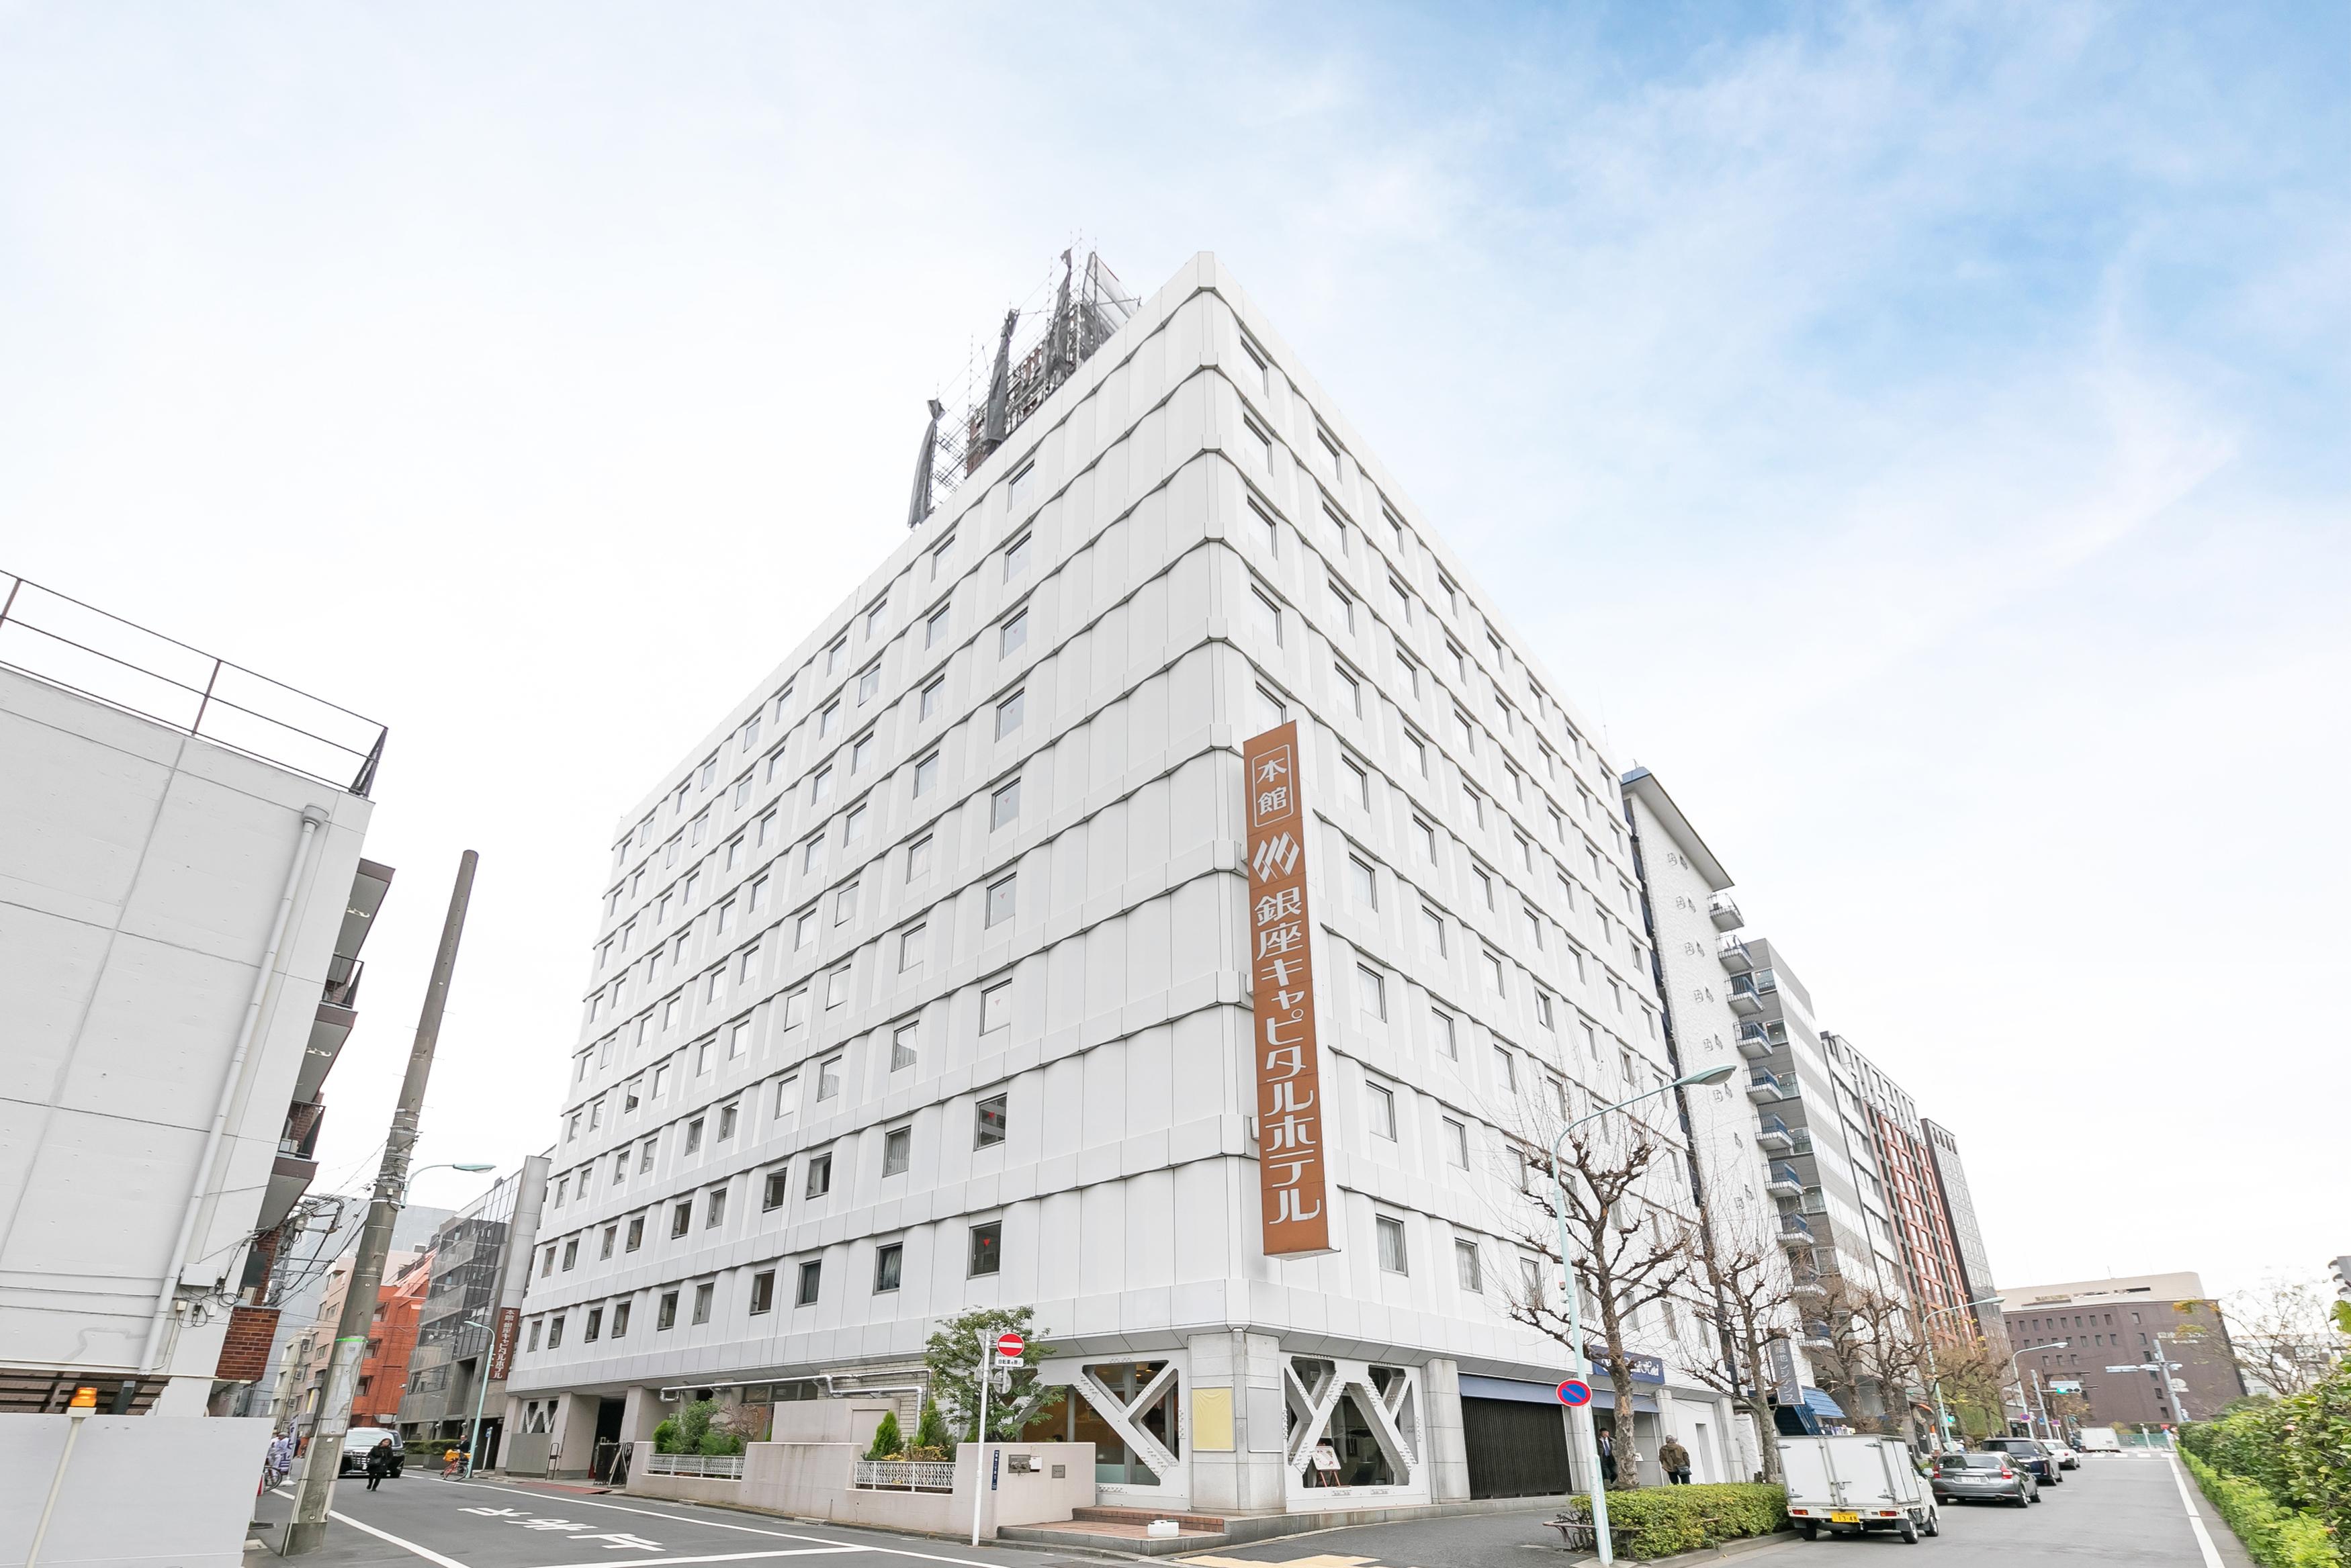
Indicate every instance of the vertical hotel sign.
{"type": "Point", "coordinates": [1281, 983]}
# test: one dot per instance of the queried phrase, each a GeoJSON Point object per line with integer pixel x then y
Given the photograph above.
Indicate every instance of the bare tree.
{"type": "Point", "coordinates": [2279, 1335]}
{"type": "Point", "coordinates": [1630, 1254]}
{"type": "Point", "coordinates": [1873, 1353]}
{"type": "Point", "coordinates": [1742, 1288]}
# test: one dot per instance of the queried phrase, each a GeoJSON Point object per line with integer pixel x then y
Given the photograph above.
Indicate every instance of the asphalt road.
{"type": "Point", "coordinates": [2121, 1509]}
{"type": "Point", "coordinates": [421, 1518]}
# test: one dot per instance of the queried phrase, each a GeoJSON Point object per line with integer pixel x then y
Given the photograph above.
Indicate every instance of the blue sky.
{"type": "Point", "coordinates": [1920, 433]}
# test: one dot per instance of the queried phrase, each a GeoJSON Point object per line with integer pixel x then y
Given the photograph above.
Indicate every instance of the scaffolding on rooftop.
{"type": "Point", "coordinates": [1037, 349]}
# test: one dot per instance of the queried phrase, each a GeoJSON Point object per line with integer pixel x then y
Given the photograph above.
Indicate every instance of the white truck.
{"type": "Point", "coordinates": [1853, 1485]}
{"type": "Point", "coordinates": [2100, 1440]}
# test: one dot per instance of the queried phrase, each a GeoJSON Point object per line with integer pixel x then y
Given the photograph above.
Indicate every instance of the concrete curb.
{"type": "Point", "coordinates": [1241, 1530]}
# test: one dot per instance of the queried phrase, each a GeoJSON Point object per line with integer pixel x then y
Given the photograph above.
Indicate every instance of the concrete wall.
{"type": "Point", "coordinates": [141, 870]}
{"type": "Point", "coordinates": [812, 1480]}
{"type": "Point", "coordinates": [143, 1490]}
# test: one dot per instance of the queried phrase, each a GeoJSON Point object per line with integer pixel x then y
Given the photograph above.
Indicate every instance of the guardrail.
{"type": "Point", "coordinates": [903, 1475]}
{"type": "Point", "coordinates": [716, 1466]}
{"type": "Point", "coordinates": [86, 651]}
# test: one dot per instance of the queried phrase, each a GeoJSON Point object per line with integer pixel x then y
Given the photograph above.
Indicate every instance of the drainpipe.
{"type": "Point", "coordinates": [314, 817]}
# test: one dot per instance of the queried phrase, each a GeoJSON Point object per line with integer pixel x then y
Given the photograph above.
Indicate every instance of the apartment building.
{"type": "Point", "coordinates": [1741, 1154]}
{"type": "Point", "coordinates": [927, 980]}
{"type": "Point", "coordinates": [297, 1286]}
{"type": "Point", "coordinates": [1967, 1234]}
{"type": "Point", "coordinates": [2148, 1349]}
{"type": "Point", "coordinates": [391, 1339]}
{"type": "Point", "coordinates": [1926, 1249]}
{"type": "Point", "coordinates": [478, 1254]}
{"type": "Point", "coordinates": [185, 908]}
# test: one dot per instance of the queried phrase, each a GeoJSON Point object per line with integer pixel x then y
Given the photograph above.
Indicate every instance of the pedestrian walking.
{"type": "Point", "coordinates": [1607, 1459]}
{"type": "Point", "coordinates": [1676, 1460]}
{"type": "Point", "coordinates": [380, 1460]}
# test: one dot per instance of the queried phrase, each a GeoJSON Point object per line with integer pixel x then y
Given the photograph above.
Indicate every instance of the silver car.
{"type": "Point", "coordinates": [1989, 1477]}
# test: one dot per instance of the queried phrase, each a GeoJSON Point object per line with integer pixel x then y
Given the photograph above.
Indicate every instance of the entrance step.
{"type": "Point", "coordinates": [1123, 1530]}
{"type": "Point", "coordinates": [1208, 1523]}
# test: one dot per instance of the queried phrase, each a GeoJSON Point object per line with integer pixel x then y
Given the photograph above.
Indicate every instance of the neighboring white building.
{"type": "Point", "coordinates": [182, 902]}
{"type": "Point", "coordinates": [922, 981]}
{"type": "Point", "coordinates": [1741, 1156]}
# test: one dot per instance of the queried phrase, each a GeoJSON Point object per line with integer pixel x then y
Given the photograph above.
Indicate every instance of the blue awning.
{"type": "Point", "coordinates": [1819, 1404]}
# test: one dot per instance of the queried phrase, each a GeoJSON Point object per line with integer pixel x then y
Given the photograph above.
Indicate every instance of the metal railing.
{"type": "Point", "coordinates": [716, 1467]}
{"type": "Point", "coordinates": [1785, 1174]}
{"type": "Point", "coordinates": [83, 649]}
{"type": "Point", "coordinates": [344, 981]}
{"type": "Point", "coordinates": [1793, 1225]}
{"type": "Point", "coordinates": [903, 1475]}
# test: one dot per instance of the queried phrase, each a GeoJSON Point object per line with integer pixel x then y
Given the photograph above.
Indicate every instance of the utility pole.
{"type": "Point", "coordinates": [306, 1532]}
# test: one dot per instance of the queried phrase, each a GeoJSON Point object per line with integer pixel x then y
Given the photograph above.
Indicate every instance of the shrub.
{"type": "Point", "coordinates": [931, 1439]}
{"type": "Point", "coordinates": [887, 1441]}
{"type": "Point", "coordinates": [665, 1438]}
{"type": "Point", "coordinates": [2274, 1535]}
{"type": "Point", "coordinates": [1659, 1522]}
{"type": "Point", "coordinates": [720, 1443]}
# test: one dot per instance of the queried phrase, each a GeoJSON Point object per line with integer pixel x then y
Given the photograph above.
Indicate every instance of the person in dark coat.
{"type": "Point", "coordinates": [380, 1460]}
{"type": "Point", "coordinates": [1607, 1459]}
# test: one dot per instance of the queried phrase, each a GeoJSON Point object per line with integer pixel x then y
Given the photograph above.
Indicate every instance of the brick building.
{"type": "Point", "coordinates": [2105, 1334]}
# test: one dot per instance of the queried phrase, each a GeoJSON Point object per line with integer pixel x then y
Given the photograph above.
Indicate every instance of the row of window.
{"type": "Point", "coordinates": [983, 1256]}
{"type": "Point", "coordinates": [990, 1125]}
{"type": "Point", "coordinates": [1357, 787]}
{"type": "Point", "coordinates": [1334, 516]}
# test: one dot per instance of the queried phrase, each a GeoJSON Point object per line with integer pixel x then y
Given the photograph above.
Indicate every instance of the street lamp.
{"type": "Point", "coordinates": [2024, 1394]}
{"type": "Point", "coordinates": [444, 1165]}
{"type": "Point", "coordinates": [1585, 1429]}
{"type": "Point", "coordinates": [1942, 1417]}
{"type": "Point", "coordinates": [481, 1393]}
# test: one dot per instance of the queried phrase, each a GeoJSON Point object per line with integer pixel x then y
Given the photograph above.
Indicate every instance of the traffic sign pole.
{"type": "Point", "coordinates": [980, 1450]}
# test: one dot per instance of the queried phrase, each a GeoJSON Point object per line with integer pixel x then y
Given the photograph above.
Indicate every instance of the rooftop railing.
{"type": "Point", "coordinates": [83, 649]}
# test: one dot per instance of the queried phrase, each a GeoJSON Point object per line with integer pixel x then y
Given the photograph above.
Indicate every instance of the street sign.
{"type": "Point", "coordinates": [1010, 1346]}
{"type": "Point", "coordinates": [1576, 1393]}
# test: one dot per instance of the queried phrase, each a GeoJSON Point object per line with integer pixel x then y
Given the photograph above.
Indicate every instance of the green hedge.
{"type": "Point", "coordinates": [1660, 1521]}
{"type": "Point", "coordinates": [2275, 1536]}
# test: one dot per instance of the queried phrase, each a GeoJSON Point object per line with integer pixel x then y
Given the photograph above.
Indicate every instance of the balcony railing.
{"type": "Point", "coordinates": [716, 1466]}
{"type": "Point", "coordinates": [1793, 1231]}
{"type": "Point", "coordinates": [1784, 1183]}
{"type": "Point", "coordinates": [1762, 1088]}
{"type": "Point", "coordinates": [86, 651]}
{"type": "Point", "coordinates": [1773, 1134]}
{"type": "Point", "coordinates": [1734, 955]}
{"type": "Point", "coordinates": [344, 981]}
{"type": "Point", "coordinates": [1723, 910]}
{"type": "Point", "coordinates": [903, 1475]}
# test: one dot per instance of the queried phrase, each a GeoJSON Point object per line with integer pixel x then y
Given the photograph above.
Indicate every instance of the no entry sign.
{"type": "Point", "coordinates": [1010, 1346]}
{"type": "Point", "coordinates": [1576, 1393]}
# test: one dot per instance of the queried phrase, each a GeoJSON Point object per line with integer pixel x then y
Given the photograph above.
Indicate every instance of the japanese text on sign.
{"type": "Point", "coordinates": [1281, 983]}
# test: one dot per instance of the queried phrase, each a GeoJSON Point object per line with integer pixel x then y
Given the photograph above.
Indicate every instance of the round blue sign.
{"type": "Point", "coordinates": [1576, 1393]}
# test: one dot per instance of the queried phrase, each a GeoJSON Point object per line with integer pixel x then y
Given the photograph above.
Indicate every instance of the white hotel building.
{"type": "Point", "coordinates": [921, 983]}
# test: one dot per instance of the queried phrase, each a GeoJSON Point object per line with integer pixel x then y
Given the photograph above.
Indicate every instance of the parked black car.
{"type": "Point", "coordinates": [1985, 1476]}
{"type": "Point", "coordinates": [2029, 1453]}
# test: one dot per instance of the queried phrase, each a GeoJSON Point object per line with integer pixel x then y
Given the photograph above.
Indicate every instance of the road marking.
{"type": "Point", "coordinates": [722, 1557]}
{"type": "Point", "coordinates": [745, 1528]}
{"type": "Point", "coordinates": [2195, 1519]}
{"type": "Point", "coordinates": [424, 1552]}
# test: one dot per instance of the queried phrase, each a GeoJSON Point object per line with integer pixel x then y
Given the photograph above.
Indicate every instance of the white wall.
{"type": "Point", "coordinates": [139, 873]}
{"type": "Point", "coordinates": [138, 1488]}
